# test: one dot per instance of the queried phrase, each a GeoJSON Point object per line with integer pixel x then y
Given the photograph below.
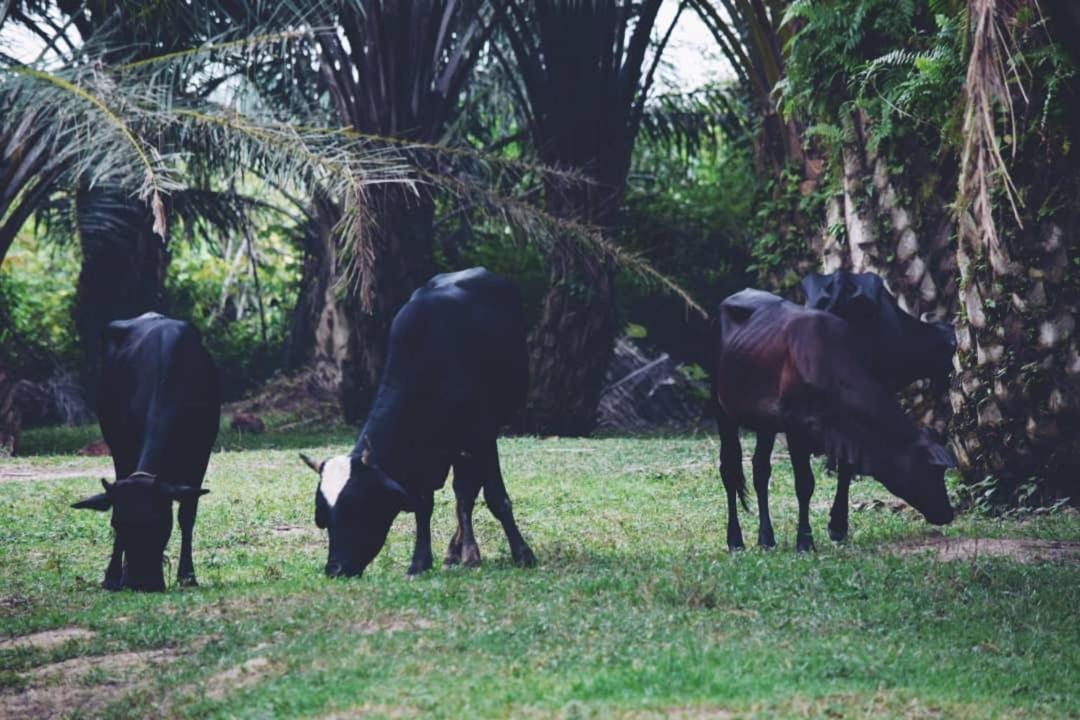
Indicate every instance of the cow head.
{"type": "Point", "coordinates": [917, 475]}
{"type": "Point", "coordinates": [142, 519]}
{"type": "Point", "coordinates": [356, 503]}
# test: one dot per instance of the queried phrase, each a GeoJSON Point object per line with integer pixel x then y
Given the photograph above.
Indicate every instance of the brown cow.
{"type": "Point", "coordinates": [778, 367]}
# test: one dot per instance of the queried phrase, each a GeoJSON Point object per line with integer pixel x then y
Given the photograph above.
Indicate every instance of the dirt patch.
{"type": "Point", "coordinates": [295, 531]}
{"type": "Point", "coordinates": [47, 639]}
{"type": "Point", "coordinates": [308, 397]}
{"type": "Point", "coordinates": [28, 473]}
{"type": "Point", "coordinates": [82, 686]}
{"type": "Point", "coordinates": [239, 677]}
{"type": "Point", "coordinates": [1025, 551]}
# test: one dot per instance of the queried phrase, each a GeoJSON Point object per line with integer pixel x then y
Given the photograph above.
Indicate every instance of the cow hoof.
{"type": "Point", "coordinates": [470, 556]}
{"type": "Point", "coordinates": [112, 584]}
{"type": "Point", "coordinates": [187, 581]}
{"type": "Point", "coordinates": [735, 541]}
{"type": "Point", "coordinates": [524, 557]}
{"type": "Point", "coordinates": [805, 545]}
{"type": "Point", "coordinates": [736, 548]}
{"type": "Point", "coordinates": [837, 535]}
{"type": "Point", "coordinates": [451, 560]}
{"type": "Point", "coordinates": [418, 568]}
{"type": "Point", "coordinates": [766, 540]}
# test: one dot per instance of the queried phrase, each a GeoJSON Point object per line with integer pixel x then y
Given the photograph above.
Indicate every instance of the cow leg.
{"type": "Point", "coordinates": [838, 516]}
{"type": "Point", "coordinates": [468, 479]}
{"type": "Point", "coordinates": [453, 550]}
{"type": "Point", "coordinates": [185, 516]}
{"type": "Point", "coordinates": [799, 447]}
{"type": "Point", "coordinates": [422, 559]}
{"type": "Point", "coordinates": [762, 472]}
{"type": "Point", "coordinates": [114, 573]}
{"type": "Point", "coordinates": [498, 502]}
{"type": "Point", "coordinates": [731, 473]}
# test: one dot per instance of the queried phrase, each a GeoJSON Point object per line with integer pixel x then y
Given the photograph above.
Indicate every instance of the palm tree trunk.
{"type": "Point", "coordinates": [123, 269]}
{"type": "Point", "coordinates": [403, 260]}
{"type": "Point", "coordinates": [332, 328]}
{"type": "Point", "coordinates": [1016, 401]}
{"type": "Point", "coordinates": [572, 343]}
{"type": "Point", "coordinates": [908, 244]}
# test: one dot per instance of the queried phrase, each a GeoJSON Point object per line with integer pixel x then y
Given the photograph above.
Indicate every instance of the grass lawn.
{"type": "Point", "coordinates": [635, 610]}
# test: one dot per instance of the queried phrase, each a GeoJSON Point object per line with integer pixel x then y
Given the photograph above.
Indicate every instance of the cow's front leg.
{"type": "Point", "coordinates": [422, 559]}
{"type": "Point", "coordinates": [185, 516]}
{"type": "Point", "coordinates": [114, 573]}
{"type": "Point", "coordinates": [838, 516]}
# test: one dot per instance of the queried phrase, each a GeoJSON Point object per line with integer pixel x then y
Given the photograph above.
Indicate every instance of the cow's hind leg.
{"type": "Point", "coordinates": [731, 473]}
{"type": "Point", "coordinates": [838, 516]}
{"type": "Point", "coordinates": [498, 502]}
{"type": "Point", "coordinates": [422, 559]}
{"type": "Point", "coordinates": [762, 472]}
{"type": "Point", "coordinates": [799, 447]}
{"type": "Point", "coordinates": [468, 478]}
{"type": "Point", "coordinates": [185, 516]}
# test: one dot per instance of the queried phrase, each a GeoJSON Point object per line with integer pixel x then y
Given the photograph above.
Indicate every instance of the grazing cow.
{"type": "Point", "coordinates": [456, 371]}
{"type": "Point", "coordinates": [777, 367]}
{"type": "Point", "coordinates": [897, 349]}
{"type": "Point", "coordinates": [159, 409]}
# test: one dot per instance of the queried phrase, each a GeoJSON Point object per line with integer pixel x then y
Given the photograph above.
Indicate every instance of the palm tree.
{"type": "Point", "coordinates": [584, 74]}
{"type": "Point", "coordinates": [1016, 399]}
{"type": "Point", "coordinates": [117, 127]}
{"type": "Point", "coordinates": [396, 70]}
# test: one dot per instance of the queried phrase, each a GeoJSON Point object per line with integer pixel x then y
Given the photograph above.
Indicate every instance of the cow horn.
{"type": "Point", "coordinates": [105, 484]}
{"type": "Point", "coordinates": [311, 463]}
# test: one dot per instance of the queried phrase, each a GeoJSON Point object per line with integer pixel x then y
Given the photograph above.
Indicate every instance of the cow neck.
{"type": "Point", "coordinates": [384, 431]}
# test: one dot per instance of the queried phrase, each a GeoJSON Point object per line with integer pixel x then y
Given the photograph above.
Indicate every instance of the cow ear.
{"type": "Point", "coordinates": [99, 502]}
{"type": "Point", "coordinates": [397, 491]}
{"type": "Point", "coordinates": [814, 287]}
{"type": "Point", "coordinates": [311, 464]}
{"type": "Point", "coordinates": [180, 492]}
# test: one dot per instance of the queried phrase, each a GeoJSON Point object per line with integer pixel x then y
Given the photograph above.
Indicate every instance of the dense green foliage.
{"type": "Point", "coordinates": [635, 610]}
{"type": "Point", "coordinates": [37, 293]}
{"type": "Point", "coordinates": [216, 290]}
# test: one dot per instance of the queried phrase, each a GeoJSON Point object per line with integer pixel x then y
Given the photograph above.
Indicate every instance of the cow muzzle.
{"type": "Point", "coordinates": [943, 517]}
{"type": "Point", "coordinates": [335, 569]}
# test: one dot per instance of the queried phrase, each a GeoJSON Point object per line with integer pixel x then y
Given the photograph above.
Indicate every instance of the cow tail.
{"type": "Point", "coordinates": [740, 490]}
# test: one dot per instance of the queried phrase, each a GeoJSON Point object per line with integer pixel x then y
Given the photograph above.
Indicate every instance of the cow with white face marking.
{"type": "Point", "coordinates": [159, 408]}
{"type": "Point", "coordinates": [456, 371]}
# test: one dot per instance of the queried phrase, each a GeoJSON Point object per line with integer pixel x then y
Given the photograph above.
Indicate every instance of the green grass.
{"type": "Point", "coordinates": [636, 608]}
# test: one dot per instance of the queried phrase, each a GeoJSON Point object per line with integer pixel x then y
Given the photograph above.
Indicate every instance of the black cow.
{"type": "Point", "coordinates": [159, 408]}
{"type": "Point", "coordinates": [456, 371]}
{"type": "Point", "coordinates": [897, 348]}
{"type": "Point", "coordinates": [777, 367]}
